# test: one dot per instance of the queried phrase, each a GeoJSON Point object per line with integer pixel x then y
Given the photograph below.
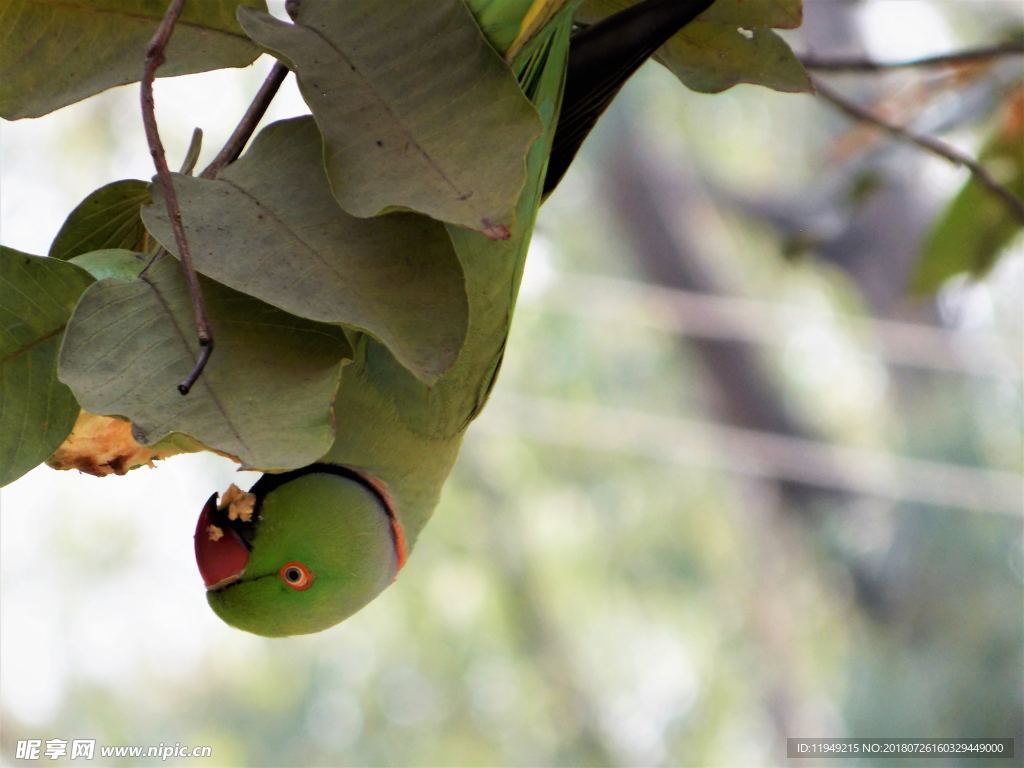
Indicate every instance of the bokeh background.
{"type": "Point", "coordinates": [733, 485]}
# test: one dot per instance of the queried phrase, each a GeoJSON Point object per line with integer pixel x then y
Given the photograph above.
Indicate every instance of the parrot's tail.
{"type": "Point", "coordinates": [602, 57]}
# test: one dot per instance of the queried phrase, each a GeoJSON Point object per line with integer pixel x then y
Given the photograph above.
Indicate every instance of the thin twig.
{"type": "Point", "coordinates": [864, 64]}
{"type": "Point", "coordinates": [238, 139]}
{"type": "Point", "coordinates": [197, 369]}
{"type": "Point", "coordinates": [154, 58]}
{"type": "Point", "coordinates": [927, 143]}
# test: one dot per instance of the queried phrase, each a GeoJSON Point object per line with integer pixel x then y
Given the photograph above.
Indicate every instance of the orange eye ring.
{"type": "Point", "coordinates": [296, 575]}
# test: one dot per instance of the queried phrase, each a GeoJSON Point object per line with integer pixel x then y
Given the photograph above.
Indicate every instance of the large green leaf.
{"type": "Point", "coordinates": [106, 218]}
{"type": "Point", "coordinates": [269, 227]}
{"type": "Point", "coordinates": [54, 53]}
{"type": "Point", "coordinates": [265, 397]}
{"type": "Point", "coordinates": [417, 111]}
{"type": "Point", "coordinates": [976, 226]}
{"type": "Point", "coordinates": [37, 412]}
{"type": "Point", "coordinates": [778, 14]}
{"type": "Point", "coordinates": [730, 43]}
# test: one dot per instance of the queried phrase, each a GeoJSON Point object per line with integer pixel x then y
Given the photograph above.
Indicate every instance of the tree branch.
{"type": "Point", "coordinates": [863, 64]}
{"type": "Point", "coordinates": [257, 109]}
{"type": "Point", "coordinates": [154, 58]}
{"type": "Point", "coordinates": [927, 143]}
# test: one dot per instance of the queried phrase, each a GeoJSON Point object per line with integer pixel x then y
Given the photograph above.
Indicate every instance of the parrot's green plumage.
{"type": "Point", "coordinates": [330, 537]}
{"type": "Point", "coordinates": [296, 583]}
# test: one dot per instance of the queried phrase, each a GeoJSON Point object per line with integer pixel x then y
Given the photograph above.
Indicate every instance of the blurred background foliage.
{"type": "Point", "coordinates": [734, 484]}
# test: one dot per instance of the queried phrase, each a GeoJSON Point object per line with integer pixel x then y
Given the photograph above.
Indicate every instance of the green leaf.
{"type": "Point", "coordinates": [710, 58]}
{"type": "Point", "coordinates": [37, 412]}
{"type": "Point", "coordinates": [417, 111]}
{"type": "Point", "coordinates": [110, 263]}
{"type": "Point", "coordinates": [195, 146]}
{"type": "Point", "coordinates": [730, 43]}
{"type": "Point", "coordinates": [265, 397]}
{"type": "Point", "coordinates": [269, 227]}
{"type": "Point", "coordinates": [106, 218]}
{"type": "Point", "coordinates": [56, 53]}
{"type": "Point", "coordinates": [776, 14]}
{"type": "Point", "coordinates": [977, 226]}
{"type": "Point", "coordinates": [967, 237]}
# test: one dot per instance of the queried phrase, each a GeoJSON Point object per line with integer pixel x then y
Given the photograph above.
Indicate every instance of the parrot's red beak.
{"type": "Point", "coordinates": [220, 552]}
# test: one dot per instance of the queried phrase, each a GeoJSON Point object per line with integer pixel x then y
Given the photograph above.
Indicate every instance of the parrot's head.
{"type": "Point", "coordinates": [300, 552]}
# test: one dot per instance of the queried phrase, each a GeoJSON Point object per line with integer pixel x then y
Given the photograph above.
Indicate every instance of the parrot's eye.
{"type": "Point", "coordinates": [296, 576]}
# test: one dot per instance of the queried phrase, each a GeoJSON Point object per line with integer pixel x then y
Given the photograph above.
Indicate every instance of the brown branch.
{"type": "Point", "coordinates": [927, 143]}
{"type": "Point", "coordinates": [863, 64]}
{"type": "Point", "coordinates": [154, 58]}
{"type": "Point", "coordinates": [257, 109]}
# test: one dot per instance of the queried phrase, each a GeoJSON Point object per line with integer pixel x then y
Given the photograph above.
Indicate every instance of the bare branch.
{"type": "Point", "coordinates": [238, 139]}
{"type": "Point", "coordinates": [863, 64]}
{"type": "Point", "coordinates": [154, 58]}
{"type": "Point", "coordinates": [927, 143]}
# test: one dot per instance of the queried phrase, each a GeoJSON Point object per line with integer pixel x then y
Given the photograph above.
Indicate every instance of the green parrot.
{"type": "Point", "coordinates": [305, 549]}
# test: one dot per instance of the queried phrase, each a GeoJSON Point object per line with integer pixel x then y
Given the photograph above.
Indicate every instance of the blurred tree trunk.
{"type": "Point", "coordinates": [879, 245]}
{"type": "Point", "coordinates": [646, 200]}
